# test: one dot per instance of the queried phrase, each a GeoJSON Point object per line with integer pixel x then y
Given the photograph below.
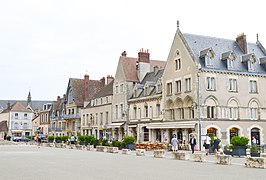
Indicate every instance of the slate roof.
{"type": "Point", "coordinates": [197, 43]}
{"type": "Point", "coordinates": [129, 67]}
{"type": "Point", "coordinates": [107, 90]}
{"type": "Point", "coordinates": [35, 105]}
{"type": "Point", "coordinates": [150, 78]}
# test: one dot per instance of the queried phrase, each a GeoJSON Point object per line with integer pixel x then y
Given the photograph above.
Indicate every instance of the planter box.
{"type": "Point", "coordinates": [79, 147]}
{"type": "Point", "coordinates": [130, 146]}
{"type": "Point", "coordinates": [90, 147]}
{"type": "Point", "coordinates": [227, 152]}
{"type": "Point", "coordinates": [100, 148]}
{"type": "Point", "coordinates": [112, 149]}
{"type": "Point", "coordinates": [199, 157]}
{"type": "Point", "coordinates": [239, 152]}
{"type": "Point", "coordinates": [180, 156]}
{"type": "Point", "coordinates": [140, 152]}
{"type": "Point", "coordinates": [126, 151]}
{"type": "Point", "coordinates": [160, 153]}
{"type": "Point", "coordinates": [255, 154]}
{"type": "Point", "coordinates": [224, 159]}
{"type": "Point", "coordinates": [256, 162]}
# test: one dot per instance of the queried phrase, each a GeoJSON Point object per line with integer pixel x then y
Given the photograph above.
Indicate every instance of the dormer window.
{"type": "Point", "coordinates": [230, 58]}
{"type": "Point", "coordinates": [208, 55]}
{"type": "Point", "coordinates": [250, 60]}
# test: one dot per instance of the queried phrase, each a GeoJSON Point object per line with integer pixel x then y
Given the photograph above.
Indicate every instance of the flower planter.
{"type": "Point", "coordinates": [130, 146]}
{"type": "Point", "coordinates": [239, 152]}
{"type": "Point", "coordinates": [255, 154]}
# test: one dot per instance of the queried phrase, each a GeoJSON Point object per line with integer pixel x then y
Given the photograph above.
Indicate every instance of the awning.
{"type": "Point", "coordinates": [171, 125]}
{"type": "Point", "coordinates": [132, 126]}
{"type": "Point", "coordinates": [115, 125]}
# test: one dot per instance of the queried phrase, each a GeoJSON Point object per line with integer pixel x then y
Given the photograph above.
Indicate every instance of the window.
{"type": "Point", "coordinates": [159, 88]}
{"type": "Point", "coordinates": [253, 113]}
{"type": "Point", "coordinates": [121, 88]}
{"type": "Point", "coordinates": [169, 88]}
{"type": "Point", "coordinates": [188, 84]}
{"type": "Point", "coordinates": [16, 115]}
{"type": "Point", "coordinates": [146, 134]}
{"type": "Point", "coordinates": [232, 85]}
{"type": "Point", "coordinates": [233, 113]}
{"type": "Point", "coordinates": [70, 96]}
{"type": "Point", "coordinates": [101, 118]}
{"type": "Point", "coordinates": [101, 100]}
{"type": "Point", "coordinates": [210, 111]}
{"type": "Point", "coordinates": [146, 91]}
{"type": "Point", "coordinates": [73, 111]}
{"type": "Point", "coordinates": [177, 64]}
{"type": "Point", "coordinates": [172, 114]}
{"type": "Point", "coordinates": [135, 112]}
{"type": "Point", "coordinates": [146, 111]}
{"type": "Point", "coordinates": [208, 61]}
{"type": "Point", "coordinates": [116, 89]}
{"type": "Point", "coordinates": [251, 65]}
{"type": "Point", "coordinates": [122, 110]}
{"type": "Point", "coordinates": [107, 101]}
{"type": "Point", "coordinates": [96, 118]}
{"type": "Point", "coordinates": [25, 116]}
{"type": "Point", "coordinates": [158, 110]}
{"type": "Point", "coordinates": [211, 83]}
{"type": "Point", "coordinates": [253, 86]}
{"type": "Point", "coordinates": [178, 86]}
{"type": "Point", "coordinates": [106, 117]}
{"type": "Point", "coordinates": [87, 118]}
{"type": "Point", "coordinates": [230, 64]}
{"type": "Point", "coordinates": [116, 111]}
{"type": "Point", "coordinates": [83, 120]}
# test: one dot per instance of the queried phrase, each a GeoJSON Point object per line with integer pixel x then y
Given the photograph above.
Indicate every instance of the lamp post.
{"type": "Point", "coordinates": [199, 115]}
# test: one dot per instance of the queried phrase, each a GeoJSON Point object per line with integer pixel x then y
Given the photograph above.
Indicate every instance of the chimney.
{"type": "Point", "coordinates": [242, 42]}
{"type": "Point", "coordinates": [103, 81]}
{"type": "Point", "coordinates": [144, 56]}
{"type": "Point", "coordinates": [124, 53]}
{"type": "Point", "coordinates": [109, 79]}
{"type": "Point", "coordinates": [8, 105]}
{"type": "Point", "coordinates": [86, 87]}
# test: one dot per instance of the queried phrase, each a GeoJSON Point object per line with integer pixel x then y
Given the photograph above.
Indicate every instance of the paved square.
{"type": "Point", "coordinates": [31, 163]}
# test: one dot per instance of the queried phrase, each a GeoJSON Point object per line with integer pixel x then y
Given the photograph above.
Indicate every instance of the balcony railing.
{"type": "Point", "coordinates": [20, 127]}
{"type": "Point", "coordinates": [71, 116]}
{"type": "Point", "coordinates": [56, 129]}
{"type": "Point", "coordinates": [55, 118]}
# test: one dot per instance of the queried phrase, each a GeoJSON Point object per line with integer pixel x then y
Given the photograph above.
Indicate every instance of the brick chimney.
{"type": "Point", "coordinates": [144, 56]}
{"type": "Point", "coordinates": [8, 105]}
{"type": "Point", "coordinates": [242, 42]}
{"type": "Point", "coordinates": [86, 87]}
{"type": "Point", "coordinates": [124, 53]}
{"type": "Point", "coordinates": [103, 81]}
{"type": "Point", "coordinates": [109, 79]}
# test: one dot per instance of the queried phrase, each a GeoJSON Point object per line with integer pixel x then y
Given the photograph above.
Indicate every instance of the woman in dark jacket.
{"type": "Point", "coordinates": [216, 145]}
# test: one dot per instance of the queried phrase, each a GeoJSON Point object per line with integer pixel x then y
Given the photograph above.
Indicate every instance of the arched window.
{"type": "Point", "coordinates": [253, 110]}
{"type": "Point", "coordinates": [211, 131]}
{"type": "Point", "coordinates": [233, 132]}
{"type": "Point", "coordinates": [233, 110]}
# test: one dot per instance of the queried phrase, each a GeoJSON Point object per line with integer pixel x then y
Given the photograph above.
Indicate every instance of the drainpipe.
{"type": "Point", "coordinates": [199, 113]}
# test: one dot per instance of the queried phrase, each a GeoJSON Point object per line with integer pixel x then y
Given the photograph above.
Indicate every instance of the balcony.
{"type": "Point", "coordinates": [72, 116]}
{"type": "Point", "coordinates": [55, 118]}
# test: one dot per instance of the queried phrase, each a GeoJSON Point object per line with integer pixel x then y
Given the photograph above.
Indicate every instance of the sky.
{"type": "Point", "coordinates": [44, 43]}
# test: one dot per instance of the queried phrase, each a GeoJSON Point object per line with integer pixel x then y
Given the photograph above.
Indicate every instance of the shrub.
{"type": "Point", "coordinates": [237, 142]}
{"type": "Point", "coordinates": [255, 149]}
{"type": "Point", "coordinates": [8, 138]}
{"type": "Point", "coordinates": [64, 138]}
{"type": "Point", "coordinates": [105, 142]}
{"type": "Point", "coordinates": [58, 139]}
{"type": "Point", "coordinates": [81, 139]}
{"type": "Point", "coordinates": [50, 138]}
{"type": "Point", "coordinates": [96, 142]}
{"type": "Point", "coordinates": [129, 140]}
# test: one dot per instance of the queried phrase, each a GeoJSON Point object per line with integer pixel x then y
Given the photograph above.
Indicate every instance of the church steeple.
{"type": "Point", "coordinates": [29, 100]}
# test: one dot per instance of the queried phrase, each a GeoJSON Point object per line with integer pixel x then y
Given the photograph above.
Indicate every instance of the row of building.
{"type": "Point", "coordinates": [208, 85]}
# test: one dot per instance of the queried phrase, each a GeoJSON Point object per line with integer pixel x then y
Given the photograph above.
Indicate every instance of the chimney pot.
{"type": "Point", "coordinates": [144, 56]}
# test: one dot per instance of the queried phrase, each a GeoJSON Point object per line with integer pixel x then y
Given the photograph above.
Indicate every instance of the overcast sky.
{"type": "Point", "coordinates": [44, 43]}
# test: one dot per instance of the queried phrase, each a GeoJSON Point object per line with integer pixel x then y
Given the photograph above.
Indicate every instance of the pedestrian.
{"type": "Point", "coordinates": [192, 143]}
{"type": "Point", "coordinates": [72, 139]}
{"type": "Point", "coordinates": [39, 139]}
{"type": "Point", "coordinates": [207, 144]}
{"type": "Point", "coordinates": [254, 141]}
{"type": "Point", "coordinates": [174, 143]}
{"type": "Point", "coordinates": [215, 145]}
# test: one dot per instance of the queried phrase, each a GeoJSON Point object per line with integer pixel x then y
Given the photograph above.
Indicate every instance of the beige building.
{"type": "Point", "coordinates": [129, 72]}
{"type": "Point", "coordinates": [215, 86]}
{"type": "Point", "coordinates": [96, 116]}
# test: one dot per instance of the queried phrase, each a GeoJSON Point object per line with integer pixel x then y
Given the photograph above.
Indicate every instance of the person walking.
{"type": "Point", "coordinates": [216, 145]}
{"type": "Point", "coordinates": [72, 140]}
{"type": "Point", "coordinates": [207, 144]}
{"type": "Point", "coordinates": [174, 143]}
{"type": "Point", "coordinates": [192, 143]}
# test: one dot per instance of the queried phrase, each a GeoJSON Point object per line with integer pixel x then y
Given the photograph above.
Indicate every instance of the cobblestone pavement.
{"type": "Point", "coordinates": [31, 162]}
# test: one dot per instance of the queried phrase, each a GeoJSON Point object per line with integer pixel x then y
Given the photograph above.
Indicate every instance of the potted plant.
{"type": "Point", "coordinates": [255, 151]}
{"type": "Point", "coordinates": [50, 139]}
{"type": "Point", "coordinates": [239, 146]}
{"type": "Point", "coordinates": [81, 140]}
{"type": "Point", "coordinates": [227, 150]}
{"type": "Point", "coordinates": [58, 139]}
{"type": "Point", "coordinates": [129, 142]}
{"type": "Point", "coordinates": [105, 142]}
{"type": "Point", "coordinates": [8, 138]}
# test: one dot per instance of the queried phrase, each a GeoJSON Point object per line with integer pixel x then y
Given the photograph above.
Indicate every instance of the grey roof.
{"type": "Point", "coordinates": [150, 78]}
{"type": "Point", "coordinates": [107, 90]}
{"type": "Point", "coordinates": [198, 43]}
{"type": "Point", "coordinates": [35, 105]}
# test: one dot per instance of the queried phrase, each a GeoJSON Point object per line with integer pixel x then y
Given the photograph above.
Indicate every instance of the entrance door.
{"type": "Point", "coordinates": [158, 135]}
{"type": "Point", "coordinates": [256, 133]}
{"type": "Point", "coordinates": [180, 134]}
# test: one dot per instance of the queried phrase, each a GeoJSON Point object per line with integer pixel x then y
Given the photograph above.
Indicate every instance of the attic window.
{"type": "Point", "coordinates": [229, 57]}
{"type": "Point", "coordinates": [208, 55]}
{"type": "Point", "coordinates": [250, 60]}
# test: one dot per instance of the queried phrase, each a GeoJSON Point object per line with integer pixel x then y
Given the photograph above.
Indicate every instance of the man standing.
{"type": "Point", "coordinates": [174, 143]}
{"type": "Point", "coordinates": [207, 144]}
{"type": "Point", "coordinates": [192, 143]}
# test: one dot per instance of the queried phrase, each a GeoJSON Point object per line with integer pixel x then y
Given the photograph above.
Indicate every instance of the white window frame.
{"type": "Point", "coordinates": [211, 84]}
{"type": "Point", "coordinates": [188, 84]}
{"type": "Point", "coordinates": [253, 87]}
{"type": "Point", "coordinates": [232, 85]}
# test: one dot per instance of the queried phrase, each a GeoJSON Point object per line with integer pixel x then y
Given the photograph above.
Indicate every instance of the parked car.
{"type": "Point", "coordinates": [20, 139]}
